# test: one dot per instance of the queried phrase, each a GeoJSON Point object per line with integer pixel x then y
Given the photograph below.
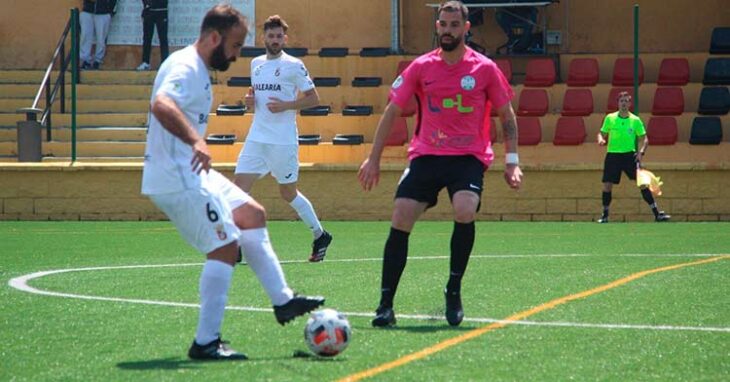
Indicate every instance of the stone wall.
{"type": "Point", "coordinates": [562, 193]}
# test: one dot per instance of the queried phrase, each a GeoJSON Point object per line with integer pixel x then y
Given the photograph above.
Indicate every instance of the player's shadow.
{"type": "Point", "coordinates": [171, 363]}
{"type": "Point", "coordinates": [177, 363]}
{"type": "Point", "coordinates": [420, 328]}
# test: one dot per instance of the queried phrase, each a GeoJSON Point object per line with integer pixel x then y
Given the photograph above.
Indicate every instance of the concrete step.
{"type": "Point", "coordinates": [326, 126]}
{"type": "Point", "coordinates": [83, 120]}
{"type": "Point", "coordinates": [322, 153]}
{"type": "Point", "coordinates": [83, 91]}
{"type": "Point", "coordinates": [119, 134]}
{"type": "Point", "coordinates": [87, 159]}
{"type": "Point", "coordinates": [544, 155]}
{"type": "Point", "coordinates": [82, 105]}
{"type": "Point", "coordinates": [88, 77]}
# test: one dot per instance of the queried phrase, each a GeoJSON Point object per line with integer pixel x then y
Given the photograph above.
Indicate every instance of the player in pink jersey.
{"type": "Point", "coordinates": [454, 86]}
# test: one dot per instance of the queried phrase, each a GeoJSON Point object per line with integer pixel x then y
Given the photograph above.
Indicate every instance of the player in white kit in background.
{"type": "Point", "coordinates": [272, 144]}
{"type": "Point", "coordinates": [209, 211]}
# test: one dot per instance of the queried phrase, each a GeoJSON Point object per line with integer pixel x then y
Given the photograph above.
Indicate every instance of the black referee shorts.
{"type": "Point", "coordinates": [615, 163]}
{"type": "Point", "coordinates": [427, 175]}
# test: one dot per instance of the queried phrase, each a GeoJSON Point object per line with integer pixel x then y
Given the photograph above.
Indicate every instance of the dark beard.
{"type": "Point", "coordinates": [449, 46]}
{"type": "Point", "coordinates": [218, 59]}
{"type": "Point", "coordinates": [271, 51]}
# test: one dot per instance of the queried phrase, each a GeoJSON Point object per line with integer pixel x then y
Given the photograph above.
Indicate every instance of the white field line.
{"type": "Point", "coordinates": [21, 283]}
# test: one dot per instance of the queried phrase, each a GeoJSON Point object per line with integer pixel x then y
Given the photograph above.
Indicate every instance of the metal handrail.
{"type": "Point", "coordinates": [60, 84]}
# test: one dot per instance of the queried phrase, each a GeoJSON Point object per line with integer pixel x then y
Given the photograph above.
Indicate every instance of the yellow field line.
{"type": "Point", "coordinates": [515, 317]}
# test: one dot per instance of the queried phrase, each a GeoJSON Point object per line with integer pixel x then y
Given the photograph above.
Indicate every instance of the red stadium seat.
{"type": "Point", "coordinates": [505, 66]}
{"type": "Point", "coordinates": [533, 102]}
{"type": "Point", "coordinates": [398, 133]}
{"type": "Point", "coordinates": [410, 109]}
{"type": "Point", "coordinates": [583, 72]}
{"type": "Point", "coordinates": [577, 102]}
{"type": "Point", "coordinates": [613, 99]}
{"type": "Point", "coordinates": [673, 72]}
{"type": "Point", "coordinates": [530, 131]}
{"type": "Point", "coordinates": [402, 65]}
{"type": "Point", "coordinates": [668, 101]}
{"type": "Point", "coordinates": [492, 130]}
{"type": "Point", "coordinates": [492, 111]}
{"type": "Point", "coordinates": [623, 72]}
{"type": "Point", "coordinates": [662, 131]}
{"type": "Point", "coordinates": [540, 72]}
{"type": "Point", "coordinates": [569, 131]}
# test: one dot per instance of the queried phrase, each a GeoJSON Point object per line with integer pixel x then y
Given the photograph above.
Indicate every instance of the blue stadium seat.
{"type": "Point", "coordinates": [717, 71]}
{"type": "Point", "coordinates": [720, 43]}
{"type": "Point", "coordinates": [333, 52]}
{"type": "Point", "coordinates": [706, 131]}
{"type": "Point", "coordinates": [296, 52]}
{"type": "Point", "coordinates": [250, 51]}
{"type": "Point", "coordinates": [714, 101]}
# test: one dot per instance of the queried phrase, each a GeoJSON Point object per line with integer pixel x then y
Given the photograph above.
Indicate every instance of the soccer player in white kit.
{"type": "Point", "coordinates": [272, 144]}
{"type": "Point", "coordinates": [209, 211]}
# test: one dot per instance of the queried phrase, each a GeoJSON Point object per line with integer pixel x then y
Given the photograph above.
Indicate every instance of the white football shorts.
{"type": "Point", "coordinates": [282, 161]}
{"type": "Point", "coordinates": [204, 216]}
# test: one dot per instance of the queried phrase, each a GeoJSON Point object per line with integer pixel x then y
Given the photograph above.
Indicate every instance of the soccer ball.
{"type": "Point", "coordinates": [327, 332]}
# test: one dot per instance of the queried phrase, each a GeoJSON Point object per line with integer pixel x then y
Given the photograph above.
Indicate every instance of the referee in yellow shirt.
{"type": "Point", "coordinates": [623, 131]}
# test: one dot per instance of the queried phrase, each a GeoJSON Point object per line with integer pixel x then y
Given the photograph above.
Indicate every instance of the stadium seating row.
{"type": "Point", "coordinates": [584, 72]}
{"type": "Point", "coordinates": [579, 102]}
{"type": "Point", "coordinates": [661, 131]}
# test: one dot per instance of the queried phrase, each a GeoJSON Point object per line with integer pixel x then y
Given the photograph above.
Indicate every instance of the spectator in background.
{"type": "Point", "coordinates": [154, 15]}
{"type": "Point", "coordinates": [518, 24]}
{"type": "Point", "coordinates": [95, 20]}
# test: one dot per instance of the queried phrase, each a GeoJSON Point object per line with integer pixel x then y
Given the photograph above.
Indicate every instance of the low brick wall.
{"type": "Point", "coordinates": [58, 191]}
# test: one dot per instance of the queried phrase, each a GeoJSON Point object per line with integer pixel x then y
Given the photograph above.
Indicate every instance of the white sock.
{"type": "Point", "coordinates": [261, 258]}
{"type": "Point", "coordinates": [306, 212]}
{"type": "Point", "coordinates": [214, 282]}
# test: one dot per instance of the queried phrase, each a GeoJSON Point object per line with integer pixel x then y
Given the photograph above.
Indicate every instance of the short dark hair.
{"type": "Point", "coordinates": [455, 6]}
{"type": "Point", "coordinates": [275, 21]}
{"type": "Point", "coordinates": [623, 94]}
{"type": "Point", "coordinates": [222, 18]}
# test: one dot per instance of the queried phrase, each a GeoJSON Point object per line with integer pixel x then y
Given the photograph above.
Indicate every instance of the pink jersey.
{"type": "Point", "coordinates": [454, 102]}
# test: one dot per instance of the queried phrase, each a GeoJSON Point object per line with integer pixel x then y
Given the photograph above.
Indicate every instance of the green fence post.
{"type": "Point", "coordinates": [636, 59]}
{"type": "Point", "coordinates": [74, 77]}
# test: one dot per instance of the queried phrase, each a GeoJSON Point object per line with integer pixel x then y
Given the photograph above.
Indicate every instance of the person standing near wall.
{"type": "Point", "coordinates": [95, 19]}
{"type": "Point", "coordinates": [154, 15]}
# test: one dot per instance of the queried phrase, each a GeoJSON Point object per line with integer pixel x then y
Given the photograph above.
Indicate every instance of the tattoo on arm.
{"type": "Point", "coordinates": [509, 128]}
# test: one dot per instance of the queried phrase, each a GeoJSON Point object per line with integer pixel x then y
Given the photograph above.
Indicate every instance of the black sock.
{"type": "Point", "coordinates": [606, 196]}
{"type": "Point", "coordinates": [462, 242]}
{"type": "Point", "coordinates": [649, 199]}
{"type": "Point", "coordinates": [394, 261]}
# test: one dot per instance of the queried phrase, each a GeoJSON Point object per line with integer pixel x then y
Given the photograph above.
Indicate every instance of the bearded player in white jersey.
{"type": "Point", "coordinates": [209, 211]}
{"type": "Point", "coordinates": [272, 143]}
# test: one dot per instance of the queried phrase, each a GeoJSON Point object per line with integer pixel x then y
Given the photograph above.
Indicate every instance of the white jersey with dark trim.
{"type": "Point", "coordinates": [283, 78]}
